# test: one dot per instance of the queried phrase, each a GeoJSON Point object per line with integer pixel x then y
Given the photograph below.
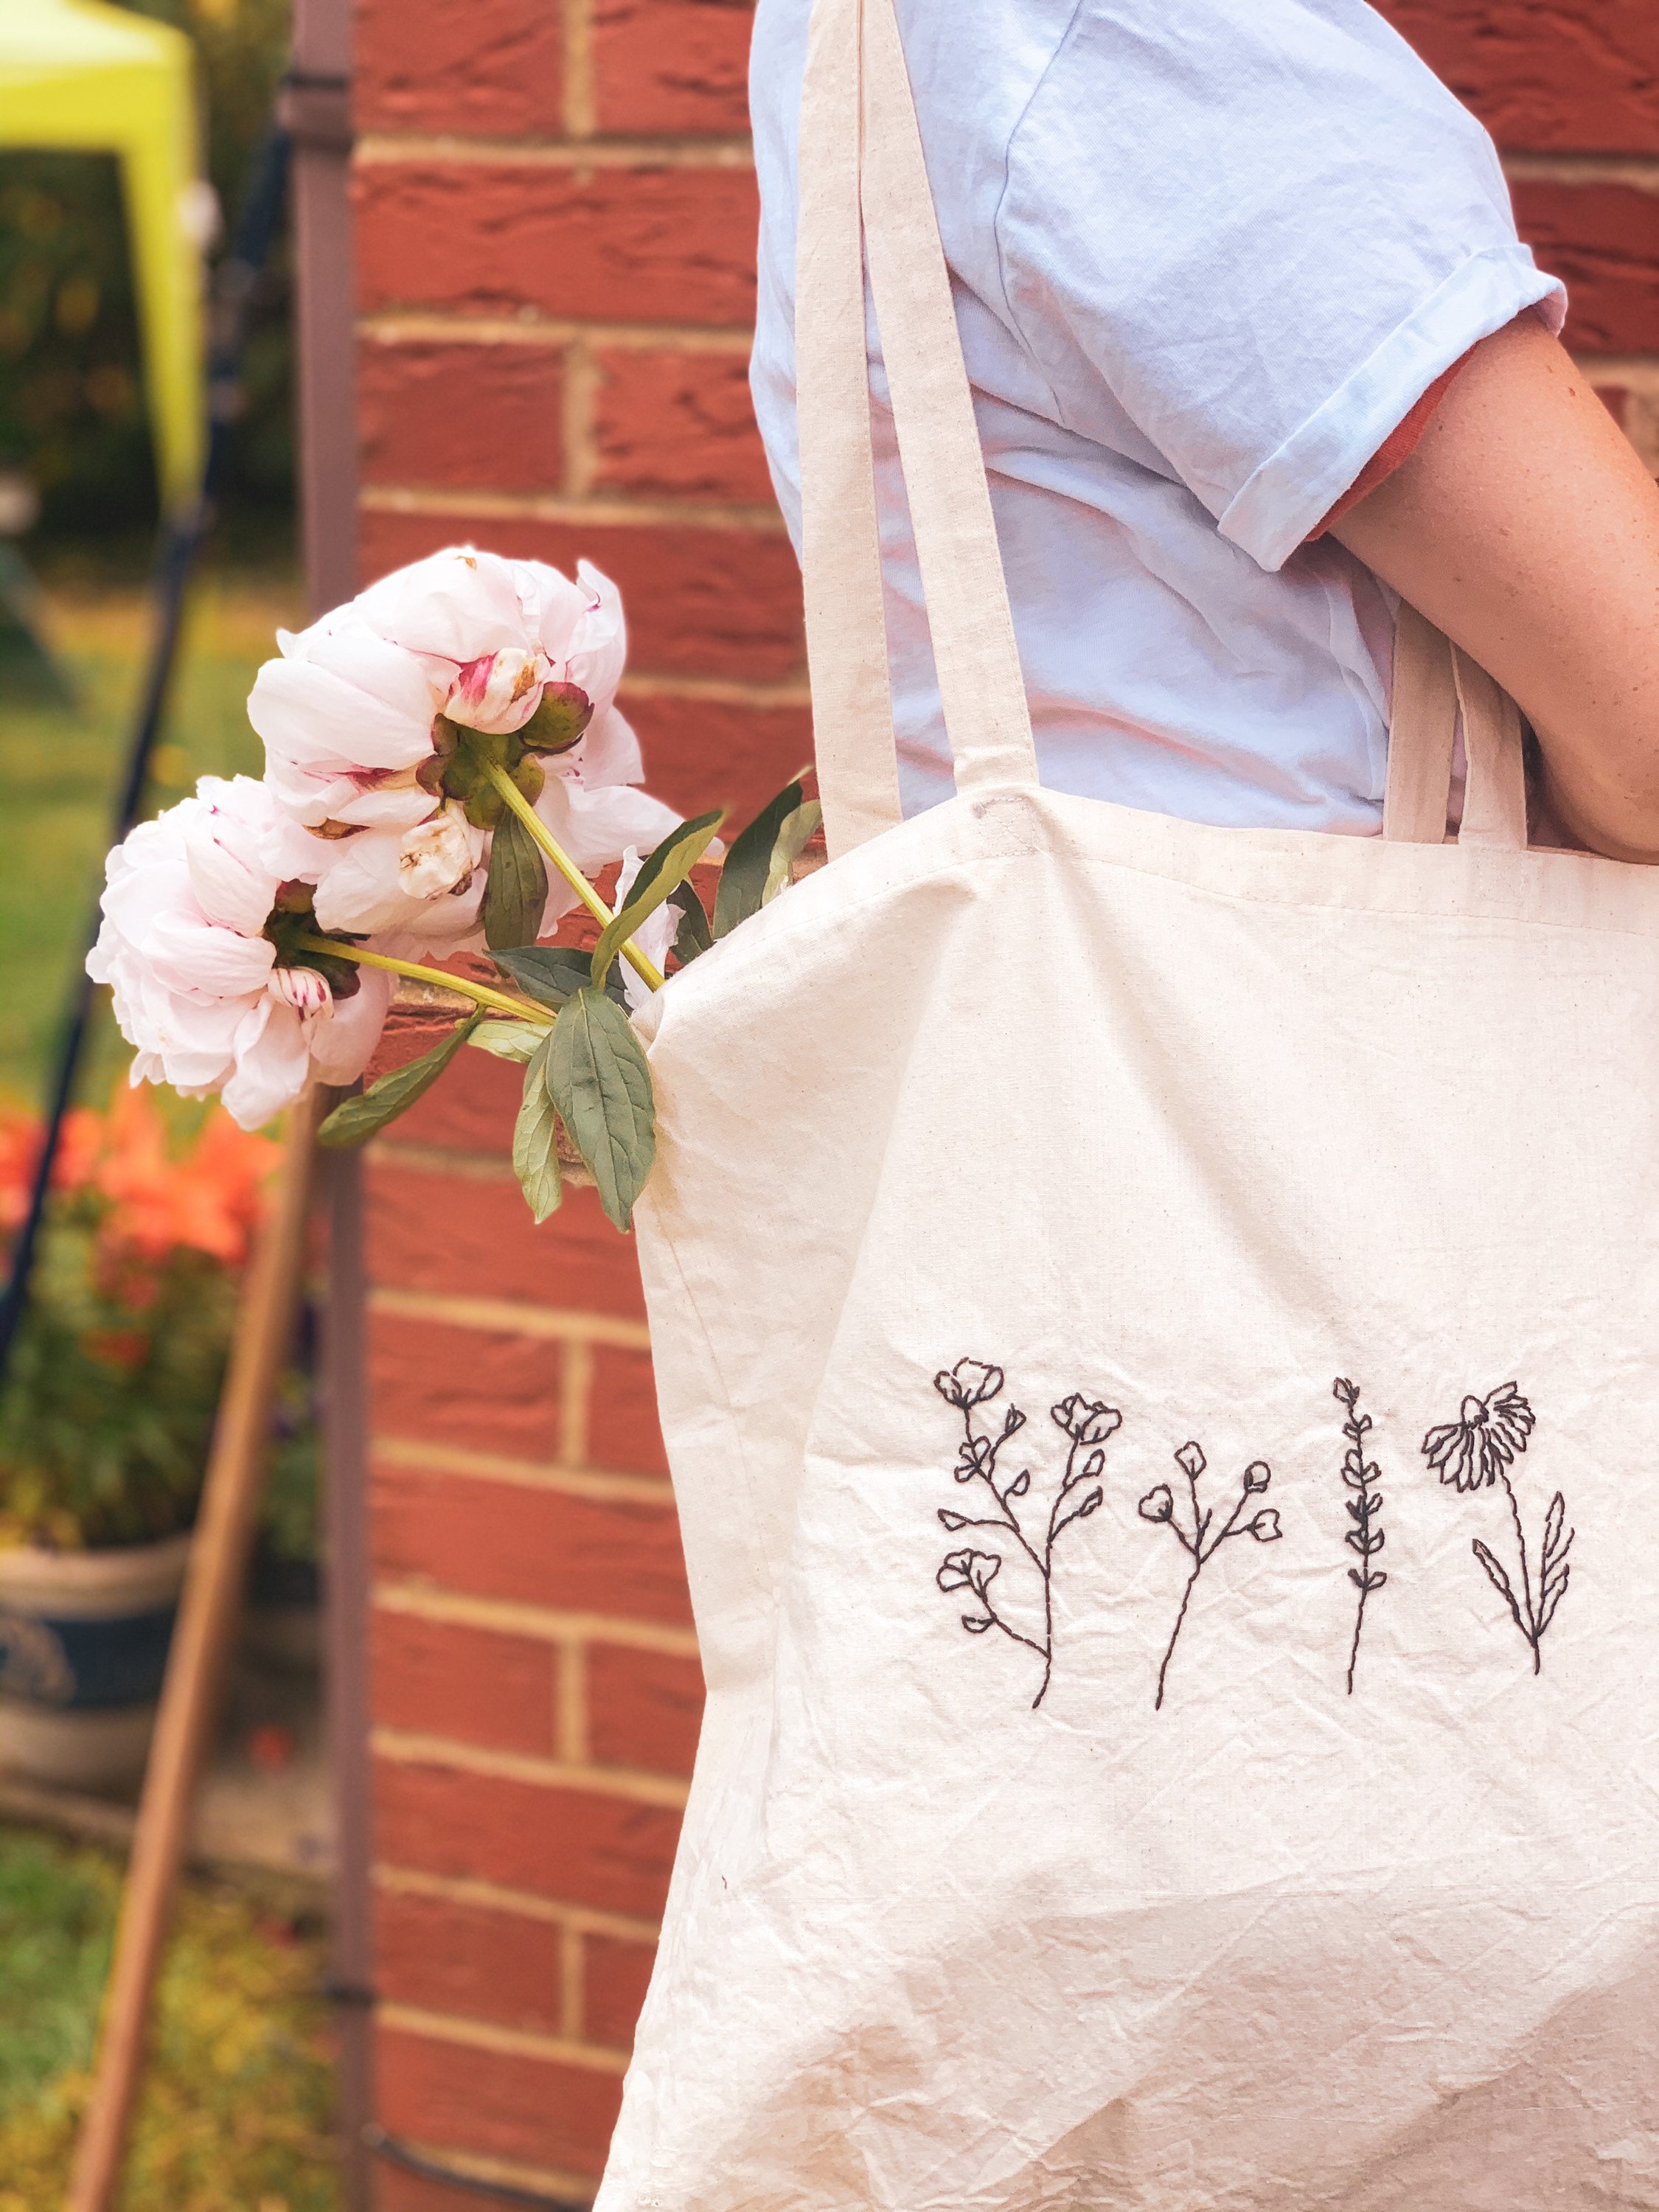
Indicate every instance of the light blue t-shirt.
{"type": "Point", "coordinates": [1206, 255]}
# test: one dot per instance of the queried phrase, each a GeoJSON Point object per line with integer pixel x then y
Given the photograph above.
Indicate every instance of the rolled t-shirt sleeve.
{"type": "Point", "coordinates": [1256, 231]}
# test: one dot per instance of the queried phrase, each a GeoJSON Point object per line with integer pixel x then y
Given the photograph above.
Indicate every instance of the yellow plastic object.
{"type": "Point", "coordinates": [77, 74]}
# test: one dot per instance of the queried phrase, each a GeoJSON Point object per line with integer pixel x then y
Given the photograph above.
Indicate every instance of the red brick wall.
{"type": "Point", "coordinates": [556, 221]}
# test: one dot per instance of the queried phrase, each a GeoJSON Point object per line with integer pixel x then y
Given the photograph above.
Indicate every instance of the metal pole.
{"type": "Point", "coordinates": [317, 111]}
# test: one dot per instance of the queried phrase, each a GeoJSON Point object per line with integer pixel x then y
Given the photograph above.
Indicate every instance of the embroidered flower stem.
{"type": "Point", "coordinates": [1088, 1423]}
{"type": "Point", "coordinates": [1360, 1477]}
{"type": "Point", "coordinates": [338, 948]}
{"type": "Point", "coordinates": [1476, 1452]}
{"type": "Point", "coordinates": [1158, 1506]}
{"type": "Point", "coordinates": [514, 798]}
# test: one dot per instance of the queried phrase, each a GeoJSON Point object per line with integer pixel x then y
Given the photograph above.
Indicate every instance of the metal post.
{"type": "Point", "coordinates": [316, 110]}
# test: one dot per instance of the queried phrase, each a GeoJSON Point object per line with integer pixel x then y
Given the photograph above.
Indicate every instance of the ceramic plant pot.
{"type": "Point", "coordinates": [83, 1644]}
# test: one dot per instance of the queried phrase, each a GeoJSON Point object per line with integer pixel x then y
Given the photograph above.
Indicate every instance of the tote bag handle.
{"type": "Point", "coordinates": [1433, 681]}
{"type": "Point", "coordinates": [864, 183]}
{"type": "Point", "coordinates": [863, 178]}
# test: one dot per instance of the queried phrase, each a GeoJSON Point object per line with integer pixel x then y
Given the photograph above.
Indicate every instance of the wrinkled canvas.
{"type": "Point", "coordinates": [1193, 1123]}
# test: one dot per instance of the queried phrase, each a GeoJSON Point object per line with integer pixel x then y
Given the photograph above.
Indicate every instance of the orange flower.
{"type": "Point", "coordinates": [208, 1200]}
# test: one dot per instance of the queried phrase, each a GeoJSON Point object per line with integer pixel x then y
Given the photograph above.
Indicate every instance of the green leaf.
{"type": "Point", "coordinates": [357, 1120]}
{"type": "Point", "coordinates": [743, 879]}
{"type": "Point", "coordinates": [599, 1081]}
{"type": "Point", "coordinates": [515, 896]}
{"type": "Point", "coordinates": [791, 843]}
{"type": "Point", "coordinates": [663, 871]}
{"type": "Point", "coordinates": [519, 1040]}
{"type": "Point", "coordinates": [551, 974]}
{"type": "Point", "coordinates": [535, 1138]}
{"type": "Point", "coordinates": [692, 936]}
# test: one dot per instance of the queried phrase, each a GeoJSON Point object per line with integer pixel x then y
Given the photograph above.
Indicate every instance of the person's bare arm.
{"type": "Point", "coordinates": [1527, 528]}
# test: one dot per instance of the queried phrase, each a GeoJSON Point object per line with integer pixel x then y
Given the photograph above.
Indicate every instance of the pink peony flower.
{"type": "Point", "coordinates": [347, 720]}
{"type": "Point", "coordinates": [195, 984]}
{"type": "Point", "coordinates": [423, 884]}
{"type": "Point", "coordinates": [348, 713]}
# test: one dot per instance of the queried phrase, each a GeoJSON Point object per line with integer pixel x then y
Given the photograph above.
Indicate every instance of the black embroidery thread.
{"type": "Point", "coordinates": [1158, 1506]}
{"type": "Point", "coordinates": [1360, 1477]}
{"type": "Point", "coordinates": [1087, 1423]}
{"type": "Point", "coordinates": [1475, 1452]}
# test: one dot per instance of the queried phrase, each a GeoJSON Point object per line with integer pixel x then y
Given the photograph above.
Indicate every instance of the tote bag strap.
{"type": "Point", "coordinates": [864, 180]}
{"type": "Point", "coordinates": [1433, 680]}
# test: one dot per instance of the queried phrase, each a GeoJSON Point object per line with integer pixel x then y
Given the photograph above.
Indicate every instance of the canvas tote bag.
{"type": "Point", "coordinates": [1156, 1332]}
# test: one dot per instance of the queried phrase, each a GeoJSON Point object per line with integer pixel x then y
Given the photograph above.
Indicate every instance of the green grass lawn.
{"type": "Point", "coordinates": [60, 768]}
{"type": "Point", "coordinates": [235, 2113]}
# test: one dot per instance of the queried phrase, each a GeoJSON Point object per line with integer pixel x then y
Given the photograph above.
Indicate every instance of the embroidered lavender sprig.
{"type": "Point", "coordinates": [1199, 1544]}
{"type": "Point", "coordinates": [1087, 1423]}
{"type": "Point", "coordinates": [1365, 1503]}
{"type": "Point", "coordinates": [1475, 1452]}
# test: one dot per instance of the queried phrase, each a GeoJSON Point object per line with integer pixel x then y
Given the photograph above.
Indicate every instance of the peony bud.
{"type": "Point", "coordinates": [303, 990]}
{"type": "Point", "coordinates": [1258, 1474]}
{"type": "Point", "coordinates": [435, 857]}
{"type": "Point", "coordinates": [1157, 1505]}
{"type": "Point", "coordinates": [499, 691]}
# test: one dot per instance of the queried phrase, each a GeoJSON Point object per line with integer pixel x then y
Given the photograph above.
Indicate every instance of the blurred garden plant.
{"type": "Point", "coordinates": [106, 1409]}
{"type": "Point", "coordinates": [445, 768]}
{"type": "Point", "coordinates": [72, 408]}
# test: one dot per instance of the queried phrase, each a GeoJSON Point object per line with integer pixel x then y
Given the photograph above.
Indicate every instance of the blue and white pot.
{"type": "Point", "coordinates": [83, 1645]}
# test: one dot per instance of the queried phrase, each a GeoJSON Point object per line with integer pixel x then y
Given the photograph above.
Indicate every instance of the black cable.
{"type": "Point", "coordinates": [398, 2152]}
{"type": "Point", "coordinates": [235, 284]}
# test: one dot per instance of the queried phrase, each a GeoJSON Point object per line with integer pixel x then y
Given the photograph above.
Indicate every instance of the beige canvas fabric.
{"type": "Point", "coordinates": [1182, 1798]}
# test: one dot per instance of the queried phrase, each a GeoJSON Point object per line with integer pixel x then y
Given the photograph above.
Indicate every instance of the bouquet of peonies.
{"type": "Point", "coordinates": [445, 768]}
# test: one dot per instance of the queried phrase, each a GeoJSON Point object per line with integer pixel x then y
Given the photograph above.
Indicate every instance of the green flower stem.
{"type": "Point", "coordinates": [521, 1009]}
{"type": "Point", "coordinates": [567, 867]}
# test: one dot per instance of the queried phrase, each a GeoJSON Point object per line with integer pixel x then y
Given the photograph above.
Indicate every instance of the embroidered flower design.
{"type": "Point", "coordinates": [974, 1571]}
{"type": "Point", "coordinates": [1487, 1435]}
{"type": "Point", "coordinates": [1477, 1450]}
{"type": "Point", "coordinates": [1087, 1423]}
{"type": "Point", "coordinates": [1200, 1537]}
{"type": "Point", "coordinates": [1364, 1536]}
{"type": "Point", "coordinates": [970, 1382]}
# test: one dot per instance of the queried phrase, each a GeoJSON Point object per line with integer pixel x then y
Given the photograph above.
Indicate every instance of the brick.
{"type": "Point", "coordinates": [678, 426]}
{"type": "Point", "coordinates": [644, 1708]}
{"type": "Point", "coordinates": [1603, 241]}
{"type": "Point", "coordinates": [605, 242]}
{"type": "Point", "coordinates": [671, 65]}
{"type": "Point", "coordinates": [623, 1431]}
{"type": "Point", "coordinates": [615, 1977]}
{"type": "Point", "coordinates": [478, 417]}
{"type": "Point", "coordinates": [620, 1557]}
{"type": "Point", "coordinates": [471, 1236]}
{"type": "Point", "coordinates": [700, 752]}
{"type": "Point", "coordinates": [473, 1684]}
{"type": "Point", "coordinates": [494, 2102]}
{"type": "Point", "coordinates": [480, 1389]}
{"type": "Point", "coordinates": [471, 1107]}
{"type": "Point", "coordinates": [700, 602]}
{"type": "Point", "coordinates": [1546, 75]}
{"type": "Point", "coordinates": [571, 1845]}
{"type": "Point", "coordinates": [469, 1958]}
{"type": "Point", "coordinates": [493, 66]}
